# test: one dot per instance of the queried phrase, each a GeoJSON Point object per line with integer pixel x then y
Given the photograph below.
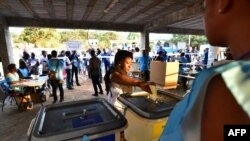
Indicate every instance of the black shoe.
{"type": "Point", "coordinates": [101, 92]}
{"type": "Point", "coordinates": [70, 88]}
{"type": "Point", "coordinates": [50, 95]}
{"type": "Point", "coordinates": [30, 105]}
{"type": "Point", "coordinates": [54, 102]}
{"type": "Point", "coordinates": [78, 84]}
{"type": "Point", "coordinates": [94, 94]}
{"type": "Point", "coordinates": [61, 100]}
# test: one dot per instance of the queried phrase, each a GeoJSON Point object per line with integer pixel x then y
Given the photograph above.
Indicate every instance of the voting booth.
{"type": "Point", "coordinates": [146, 117]}
{"type": "Point", "coordinates": [164, 74]}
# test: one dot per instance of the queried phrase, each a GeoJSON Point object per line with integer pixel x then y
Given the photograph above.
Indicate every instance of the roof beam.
{"type": "Point", "coordinates": [149, 6]}
{"type": "Point", "coordinates": [5, 5]}
{"type": "Point", "coordinates": [172, 30]}
{"type": "Point", "coordinates": [29, 22]}
{"type": "Point", "coordinates": [70, 9]}
{"type": "Point", "coordinates": [103, 13]}
{"type": "Point", "coordinates": [125, 9]}
{"type": "Point", "coordinates": [165, 9]}
{"type": "Point", "coordinates": [88, 10]}
{"type": "Point", "coordinates": [175, 17]}
{"type": "Point", "coordinates": [27, 5]}
{"type": "Point", "coordinates": [48, 4]}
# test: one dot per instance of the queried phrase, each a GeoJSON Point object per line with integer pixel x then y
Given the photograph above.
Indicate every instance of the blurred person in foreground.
{"type": "Point", "coordinates": [219, 95]}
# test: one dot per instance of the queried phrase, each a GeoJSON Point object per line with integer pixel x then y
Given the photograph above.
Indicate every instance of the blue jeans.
{"type": "Point", "coordinates": [69, 82]}
{"type": "Point", "coordinates": [75, 72]}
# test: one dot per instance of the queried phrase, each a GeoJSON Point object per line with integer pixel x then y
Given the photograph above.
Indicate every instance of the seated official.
{"type": "Point", "coordinates": [13, 78]}
{"type": "Point", "coordinates": [23, 70]}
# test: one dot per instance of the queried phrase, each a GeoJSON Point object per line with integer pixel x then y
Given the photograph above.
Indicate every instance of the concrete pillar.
{"type": "Point", "coordinates": [145, 40]}
{"type": "Point", "coordinates": [6, 50]}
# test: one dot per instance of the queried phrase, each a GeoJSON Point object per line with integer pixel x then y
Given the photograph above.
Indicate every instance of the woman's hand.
{"type": "Point", "coordinates": [145, 86]}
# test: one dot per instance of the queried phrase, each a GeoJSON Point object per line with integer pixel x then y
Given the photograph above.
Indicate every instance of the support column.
{"type": "Point", "coordinates": [145, 40]}
{"type": "Point", "coordinates": [6, 50]}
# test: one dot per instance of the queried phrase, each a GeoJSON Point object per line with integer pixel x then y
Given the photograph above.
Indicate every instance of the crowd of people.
{"type": "Point", "coordinates": [89, 63]}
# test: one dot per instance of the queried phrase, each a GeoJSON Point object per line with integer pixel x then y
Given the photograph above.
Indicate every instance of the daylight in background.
{"type": "Point", "coordinates": [35, 40]}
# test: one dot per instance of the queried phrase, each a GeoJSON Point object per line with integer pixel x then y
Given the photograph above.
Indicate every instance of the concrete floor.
{"type": "Point", "coordinates": [15, 123]}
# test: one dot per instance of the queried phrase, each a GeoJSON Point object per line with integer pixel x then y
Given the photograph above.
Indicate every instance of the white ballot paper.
{"type": "Point", "coordinates": [153, 89]}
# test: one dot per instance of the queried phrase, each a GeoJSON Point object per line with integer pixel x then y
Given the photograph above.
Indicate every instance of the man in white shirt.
{"type": "Point", "coordinates": [44, 62]}
{"type": "Point", "coordinates": [68, 71]}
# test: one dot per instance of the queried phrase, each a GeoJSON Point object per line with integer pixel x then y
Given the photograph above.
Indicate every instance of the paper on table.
{"type": "Point", "coordinates": [153, 89]}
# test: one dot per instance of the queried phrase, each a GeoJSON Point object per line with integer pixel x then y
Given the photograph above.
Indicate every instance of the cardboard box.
{"type": "Point", "coordinates": [38, 97]}
{"type": "Point", "coordinates": [164, 74]}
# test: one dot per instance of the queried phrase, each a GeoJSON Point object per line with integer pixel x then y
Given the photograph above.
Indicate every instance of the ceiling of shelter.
{"type": "Point", "coordinates": [131, 15]}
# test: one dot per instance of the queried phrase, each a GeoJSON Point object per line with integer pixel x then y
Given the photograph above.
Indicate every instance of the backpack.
{"type": "Point", "coordinates": [53, 74]}
{"type": "Point", "coordinates": [107, 79]}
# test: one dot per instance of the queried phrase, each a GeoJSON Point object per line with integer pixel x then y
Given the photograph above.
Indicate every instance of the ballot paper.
{"type": "Point", "coordinates": [153, 89]}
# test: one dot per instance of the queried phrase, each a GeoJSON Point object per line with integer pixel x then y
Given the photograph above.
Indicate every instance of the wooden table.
{"type": "Point", "coordinates": [33, 83]}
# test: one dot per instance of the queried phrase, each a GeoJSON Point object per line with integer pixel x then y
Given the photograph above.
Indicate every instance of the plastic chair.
{"type": "Point", "coordinates": [5, 88]}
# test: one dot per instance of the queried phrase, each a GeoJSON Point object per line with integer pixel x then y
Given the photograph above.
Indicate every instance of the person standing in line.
{"type": "Point", "coordinates": [144, 62]}
{"type": "Point", "coordinates": [62, 54]}
{"type": "Point", "coordinates": [45, 67]}
{"type": "Point", "coordinates": [34, 64]}
{"type": "Point", "coordinates": [98, 54]}
{"type": "Point", "coordinates": [26, 57]}
{"type": "Point", "coordinates": [44, 62]}
{"type": "Point", "coordinates": [136, 55]}
{"type": "Point", "coordinates": [84, 62]}
{"type": "Point", "coordinates": [106, 60]}
{"type": "Point", "coordinates": [68, 71]}
{"type": "Point", "coordinates": [56, 65]}
{"type": "Point", "coordinates": [63, 57]}
{"type": "Point", "coordinates": [74, 60]}
{"type": "Point", "coordinates": [94, 68]}
{"type": "Point", "coordinates": [160, 57]}
{"type": "Point", "coordinates": [205, 58]}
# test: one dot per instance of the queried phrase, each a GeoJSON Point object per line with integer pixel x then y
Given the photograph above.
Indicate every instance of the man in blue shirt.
{"type": "Point", "coordinates": [56, 65]}
{"type": "Point", "coordinates": [75, 63]}
{"type": "Point", "coordinates": [106, 60]}
{"type": "Point", "coordinates": [161, 50]}
{"type": "Point", "coordinates": [144, 62]}
{"type": "Point", "coordinates": [205, 57]}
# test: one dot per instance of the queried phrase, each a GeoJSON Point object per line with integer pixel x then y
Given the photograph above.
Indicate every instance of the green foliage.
{"type": "Point", "coordinates": [196, 40]}
{"type": "Point", "coordinates": [111, 35]}
{"type": "Point", "coordinates": [104, 39]}
{"type": "Point", "coordinates": [133, 36]}
{"type": "Point", "coordinates": [15, 37]}
{"type": "Point", "coordinates": [179, 38]}
{"type": "Point", "coordinates": [50, 38]}
{"type": "Point", "coordinates": [104, 42]}
{"type": "Point", "coordinates": [78, 35]}
{"type": "Point", "coordinates": [40, 37]}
